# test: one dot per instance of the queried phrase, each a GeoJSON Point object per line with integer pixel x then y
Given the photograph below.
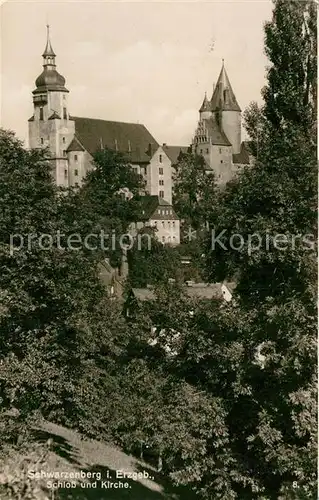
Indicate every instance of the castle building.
{"type": "Point", "coordinates": [72, 141]}
{"type": "Point", "coordinates": [218, 133]}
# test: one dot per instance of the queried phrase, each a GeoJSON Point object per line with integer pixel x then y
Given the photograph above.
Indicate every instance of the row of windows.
{"type": "Point", "coordinates": [163, 223]}
{"type": "Point", "coordinates": [168, 211]}
{"type": "Point", "coordinates": [66, 173]}
{"type": "Point", "coordinates": [168, 239]}
{"type": "Point", "coordinates": [207, 151]}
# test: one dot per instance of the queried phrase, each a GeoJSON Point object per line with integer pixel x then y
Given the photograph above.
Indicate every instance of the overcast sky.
{"type": "Point", "coordinates": [147, 62]}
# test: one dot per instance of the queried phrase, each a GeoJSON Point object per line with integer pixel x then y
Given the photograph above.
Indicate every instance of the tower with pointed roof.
{"type": "Point", "coordinates": [218, 134]}
{"type": "Point", "coordinates": [50, 125]}
{"type": "Point", "coordinates": [226, 110]}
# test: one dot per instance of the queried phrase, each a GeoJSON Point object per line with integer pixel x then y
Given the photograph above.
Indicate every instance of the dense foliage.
{"type": "Point", "coordinates": [223, 395]}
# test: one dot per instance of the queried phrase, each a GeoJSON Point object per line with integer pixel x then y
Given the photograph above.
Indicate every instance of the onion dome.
{"type": "Point", "coordinates": [49, 79]}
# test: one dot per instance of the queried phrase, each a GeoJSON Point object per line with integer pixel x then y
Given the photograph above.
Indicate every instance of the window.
{"type": "Point", "coordinates": [163, 223]}
{"type": "Point", "coordinates": [76, 172]}
{"type": "Point", "coordinates": [207, 150]}
{"type": "Point", "coordinates": [173, 223]}
{"type": "Point", "coordinates": [64, 97]}
{"type": "Point", "coordinates": [64, 114]}
{"type": "Point", "coordinates": [159, 212]}
{"type": "Point", "coordinates": [161, 182]}
{"type": "Point", "coordinates": [42, 140]}
{"type": "Point", "coordinates": [161, 171]}
{"type": "Point", "coordinates": [201, 151]}
{"type": "Point", "coordinates": [64, 152]}
{"type": "Point", "coordinates": [220, 151]}
{"type": "Point", "coordinates": [65, 174]}
{"type": "Point", "coordinates": [167, 212]}
{"type": "Point", "coordinates": [75, 157]}
{"type": "Point", "coordinates": [161, 194]}
{"type": "Point", "coordinates": [163, 239]}
{"type": "Point", "coordinates": [160, 158]}
{"type": "Point", "coordinates": [41, 113]}
{"type": "Point", "coordinates": [221, 161]}
{"type": "Point", "coordinates": [63, 140]}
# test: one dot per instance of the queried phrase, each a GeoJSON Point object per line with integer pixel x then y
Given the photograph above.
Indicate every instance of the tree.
{"type": "Point", "coordinates": [194, 190]}
{"type": "Point", "coordinates": [272, 426]}
{"type": "Point", "coordinates": [43, 287]}
{"type": "Point", "coordinates": [150, 262]}
{"type": "Point", "coordinates": [253, 118]}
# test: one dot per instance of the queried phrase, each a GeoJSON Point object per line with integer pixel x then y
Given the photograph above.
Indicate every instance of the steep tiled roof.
{"type": "Point", "coordinates": [217, 135]}
{"type": "Point", "coordinates": [143, 294]}
{"type": "Point", "coordinates": [206, 104]}
{"type": "Point", "coordinates": [223, 96]}
{"type": "Point", "coordinates": [173, 152]}
{"type": "Point", "coordinates": [243, 156]}
{"type": "Point", "coordinates": [75, 145]}
{"type": "Point", "coordinates": [195, 291]}
{"type": "Point", "coordinates": [131, 139]}
{"type": "Point", "coordinates": [150, 205]}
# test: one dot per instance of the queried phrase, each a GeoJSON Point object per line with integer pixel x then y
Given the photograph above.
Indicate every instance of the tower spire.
{"type": "Point", "coordinates": [48, 54]}
{"type": "Point", "coordinates": [205, 105]}
{"type": "Point", "coordinates": [223, 96]}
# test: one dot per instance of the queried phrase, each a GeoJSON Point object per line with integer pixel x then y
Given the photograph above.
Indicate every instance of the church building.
{"type": "Point", "coordinates": [72, 141]}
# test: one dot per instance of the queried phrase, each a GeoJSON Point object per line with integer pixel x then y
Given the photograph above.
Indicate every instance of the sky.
{"type": "Point", "coordinates": [143, 62]}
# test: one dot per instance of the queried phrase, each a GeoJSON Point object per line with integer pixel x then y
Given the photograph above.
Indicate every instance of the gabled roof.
{"type": "Point", "coordinates": [143, 294]}
{"type": "Point", "coordinates": [217, 136]}
{"type": "Point", "coordinates": [75, 145]}
{"type": "Point", "coordinates": [196, 291]}
{"type": "Point", "coordinates": [131, 139]}
{"type": "Point", "coordinates": [149, 206]}
{"type": "Point", "coordinates": [54, 116]}
{"type": "Point", "coordinates": [173, 152]}
{"type": "Point", "coordinates": [243, 156]}
{"type": "Point", "coordinates": [223, 96]}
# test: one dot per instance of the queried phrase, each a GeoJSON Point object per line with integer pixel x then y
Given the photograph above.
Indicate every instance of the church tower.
{"type": "Point", "coordinates": [50, 126]}
{"type": "Point", "coordinates": [226, 110]}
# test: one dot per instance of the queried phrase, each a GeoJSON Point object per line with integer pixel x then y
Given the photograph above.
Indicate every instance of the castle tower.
{"type": "Point", "coordinates": [50, 126]}
{"type": "Point", "coordinates": [226, 110]}
{"type": "Point", "coordinates": [205, 109]}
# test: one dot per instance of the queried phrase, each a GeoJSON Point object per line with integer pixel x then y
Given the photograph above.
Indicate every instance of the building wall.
{"type": "Point", "coordinates": [231, 123]}
{"type": "Point", "coordinates": [79, 164]}
{"type": "Point", "coordinates": [160, 160]}
{"type": "Point", "coordinates": [219, 158]}
{"type": "Point", "coordinates": [54, 134]}
{"type": "Point", "coordinates": [167, 231]}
